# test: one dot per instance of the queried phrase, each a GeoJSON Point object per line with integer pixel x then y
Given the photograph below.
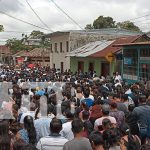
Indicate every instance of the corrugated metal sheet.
{"type": "Point", "coordinates": [89, 49]}
{"type": "Point", "coordinates": [113, 49]}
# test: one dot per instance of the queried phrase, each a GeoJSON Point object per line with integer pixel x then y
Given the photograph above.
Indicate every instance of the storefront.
{"type": "Point", "coordinates": [136, 61]}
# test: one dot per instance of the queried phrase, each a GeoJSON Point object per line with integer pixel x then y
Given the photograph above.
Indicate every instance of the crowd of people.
{"type": "Point", "coordinates": [50, 110]}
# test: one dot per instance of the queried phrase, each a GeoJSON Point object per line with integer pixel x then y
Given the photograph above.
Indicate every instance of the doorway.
{"type": "Point", "coordinates": [105, 69]}
{"type": "Point", "coordinates": [91, 66]}
{"type": "Point", "coordinates": [81, 66]}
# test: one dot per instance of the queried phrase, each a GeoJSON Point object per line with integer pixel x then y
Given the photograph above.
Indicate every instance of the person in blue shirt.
{"type": "Point", "coordinates": [88, 101]}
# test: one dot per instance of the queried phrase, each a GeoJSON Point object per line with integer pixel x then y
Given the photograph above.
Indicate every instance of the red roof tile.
{"type": "Point", "coordinates": [37, 52]}
{"type": "Point", "coordinates": [112, 49]}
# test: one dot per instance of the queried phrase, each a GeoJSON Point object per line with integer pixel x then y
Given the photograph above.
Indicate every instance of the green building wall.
{"type": "Point", "coordinates": [97, 64]}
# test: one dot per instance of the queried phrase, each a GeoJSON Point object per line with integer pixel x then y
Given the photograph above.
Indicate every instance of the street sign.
{"type": "Point", "coordinates": [109, 57]}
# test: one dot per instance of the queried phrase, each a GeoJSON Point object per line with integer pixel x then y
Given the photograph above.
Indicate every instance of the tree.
{"type": "Point", "coordinates": [128, 25]}
{"type": "Point", "coordinates": [15, 45]}
{"type": "Point", "coordinates": [104, 22]}
{"type": "Point", "coordinates": [89, 26]}
{"type": "Point", "coordinates": [1, 28]}
{"type": "Point", "coordinates": [36, 34]}
{"type": "Point", "coordinates": [18, 45]}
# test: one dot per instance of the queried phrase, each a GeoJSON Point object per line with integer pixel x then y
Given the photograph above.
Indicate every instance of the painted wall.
{"type": "Point", "coordinates": [97, 64]}
{"type": "Point", "coordinates": [58, 57]}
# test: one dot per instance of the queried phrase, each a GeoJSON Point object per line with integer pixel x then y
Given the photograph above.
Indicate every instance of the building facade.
{"type": "Point", "coordinates": [5, 55]}
{"type": "Point", "coordinates": [36, 56]}
{"type": "Point", "coordinates": [65, 41]}
{"type": "Point", "coordinates": [136, 62]}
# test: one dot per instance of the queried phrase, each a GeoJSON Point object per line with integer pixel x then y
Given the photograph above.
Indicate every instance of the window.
{"type": "Point", "coordinates": [145, 53]}
{"type": "Point", "coordinates": [144, 71]}
{"type": "Point", "coordinates": [67, 46]}
{"type": "Point", "coordinates": [51, 48]}
{"type": "Point", "coordinates": [62, 66]}
{"type": "Point", "coordinates": [61, 47]}
{"type": "Point", "coordinates": [130, 62]}
{"type": "Point", "coordinates": [55, 47]}
{"type": "Point", "coordinates": [81, 66]}
{"type": "Point", "coordinates": [91, 66]}
{"type": "Point", "coordinates": [54, 66]}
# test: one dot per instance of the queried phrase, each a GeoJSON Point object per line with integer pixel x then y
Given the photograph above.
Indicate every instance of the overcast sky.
{"type": "Point", "coordinates": [82, 11]}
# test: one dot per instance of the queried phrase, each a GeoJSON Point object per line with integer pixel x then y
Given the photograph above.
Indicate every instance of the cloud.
{"type": "Point", "coordinates": [82, 11]}
{"type": "Point", "coordinates": [10, 5]}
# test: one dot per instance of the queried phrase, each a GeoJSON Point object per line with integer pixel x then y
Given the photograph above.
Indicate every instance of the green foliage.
{"type": "Point", "coordinates": [36, 34]}
{"type": "Point", "coordinates": [44, 42]}
{"type": "Point", "coordinates": [19, 45]}
{"type": "Point", "coordinates": [128, 25]}
{"type": "Point", "coordinates": [1, 28]}
{"type": "Point", "coordinates": [89, 26]}
{"type": "Point", "coordinates": [15, 45]}
{"type": "Point", "coordinates": [104, 22]}
{"type": "Point", "coordinates": [108, 22]}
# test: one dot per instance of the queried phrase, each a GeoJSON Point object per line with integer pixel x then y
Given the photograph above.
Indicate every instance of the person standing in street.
{"type": "Point", "coordinates": [79, 142]}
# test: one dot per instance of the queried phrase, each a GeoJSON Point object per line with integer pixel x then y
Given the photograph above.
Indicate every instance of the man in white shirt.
{"type": "Point", "coordinates": [30, 113]}
{"type": "Point", "coordinates": [54, 141]}
{"type": "Point", "coordinates": [66, 128]}
{"type": "Point", "coordinates": [118, 77]}
{"type": "Point", "coordinates": [105, 111]}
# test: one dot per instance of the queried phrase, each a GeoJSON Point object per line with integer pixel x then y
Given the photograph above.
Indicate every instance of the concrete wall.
{"type": "Point", "coordinates": [58, 57]}
{"type": "Point", "coordinates": [79, 39]}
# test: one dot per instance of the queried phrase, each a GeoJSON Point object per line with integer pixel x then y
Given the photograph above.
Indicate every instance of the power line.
{"type": "Point", "coordinates": [14, 32]}
{"type": "Point", "coordinates": [38, 16]}
{"type": "Point", "coordinates": [140, 20]}
{"type": "Point", "coordinates": [23, 21]}
{"type": "Point", "coordinates": [66, 14]}
{"type": "Point", "coordinates": [138, 17]}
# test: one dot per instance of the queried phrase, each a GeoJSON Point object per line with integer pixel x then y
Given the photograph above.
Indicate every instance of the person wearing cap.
{"type": "Point", "coordinates": [105, 113]}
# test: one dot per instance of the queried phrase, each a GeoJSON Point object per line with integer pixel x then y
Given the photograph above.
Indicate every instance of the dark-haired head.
{"type": "Point", "coordinates": [142, 99]}
{"type": "Point", "coordinates": [55, 126]}
{"type": "Point", "coordinates": [86, 92]}
{"type": "Point", "coordinates": [96, 139]}
{"type": "Point", "coordinates": [68, 114]}
{"type": "Point", "coordinates": [29, 126]}
{"type": "Point", "coordinates": [124, 129]}
{"type": "Point", "coordinates": [105, 109]}
{"type": "Point", "coordinates": [77, 126]}
{"type": "Point", "coordinates": [85, 115]}
{"type": "Point", "coordinates": [124, 97]}
{"type": "Point", "coordinates": [131, 107]}
{"type": "Point", "coordinates": [106, 123]}
{"type": "Point", "coordinates": [113, 105]}
{"type": "Point", "coordinates": [111, 137]}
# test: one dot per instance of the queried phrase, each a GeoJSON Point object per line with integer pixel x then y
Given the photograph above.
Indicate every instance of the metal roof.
{"type": "Point", "coordinates": [133, 44]}
{"type": "Point", "coordinates": [111, 48]}
{"type": "Point", "coordinates": [89, 49]}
